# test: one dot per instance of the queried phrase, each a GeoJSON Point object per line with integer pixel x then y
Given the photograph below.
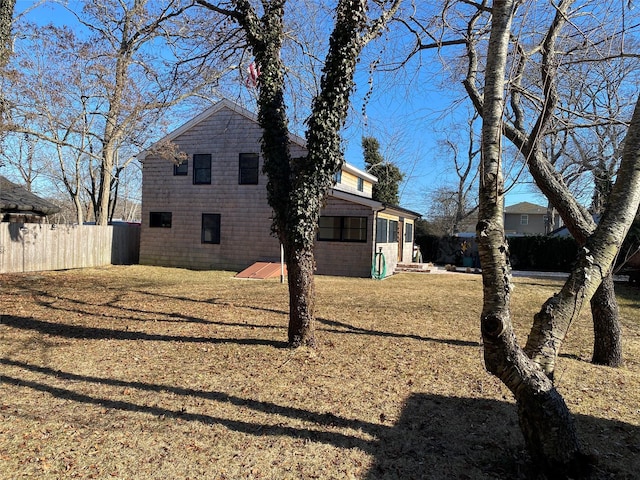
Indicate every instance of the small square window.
{"type": "Point", "coordinates": [160, 219]}
{"type": "Point", "coordinates": [210, 228]}
{"type": "Point", "coordinates": [360, 185]}
{"type": "Point", "coordinates": [180, 169]}
{"type": "Point", "coordinates": [201, 169]}
{"type": "Point", "coordinates": [329, 228]}
{"type": "Point", "coordinates": [524, 219]}
{"type": "Point", "coordinates": [248, 169]}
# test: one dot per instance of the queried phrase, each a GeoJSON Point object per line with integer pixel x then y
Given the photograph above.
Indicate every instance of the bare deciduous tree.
{"type": "Point", "coordinates": [547, 92]}
{"type": "Point", "coordinates": [96, 92]}
{"type": "Point", "coordinates": [546, 423]}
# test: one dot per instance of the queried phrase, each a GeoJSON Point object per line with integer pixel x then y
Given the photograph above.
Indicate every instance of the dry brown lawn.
{"type": "Point", "coordinates": [140, 372]}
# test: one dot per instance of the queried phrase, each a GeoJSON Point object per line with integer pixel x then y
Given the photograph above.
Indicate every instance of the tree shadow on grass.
{"type": "Point", "coordinates": [463, 438]}
{"type": "Point", "coordinates": [96, 333]}
{"type": "Point", "coordinates": [436, 437]}
{"type": "Point", "coordinates": [331, 326]}
{"type": "Point", "coordinates": [342, 327]}
{"type": "Point", "coordinates": [336, 326]}
{"type": "Point", "coordinates": [49, 301]}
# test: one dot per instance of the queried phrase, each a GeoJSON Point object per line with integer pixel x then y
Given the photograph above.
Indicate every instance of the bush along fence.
{"type": "Point", "coordinates": [535, 252]}
{"type": "Point", "coordinates": [31, 247]}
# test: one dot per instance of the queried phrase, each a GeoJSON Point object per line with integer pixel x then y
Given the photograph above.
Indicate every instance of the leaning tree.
{"type": "Point", "coordinates": [554, 49]}
{"type": "Point", "coordinates": [545, 420]}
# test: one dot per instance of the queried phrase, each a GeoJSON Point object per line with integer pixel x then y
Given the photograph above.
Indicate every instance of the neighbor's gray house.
{"type": "Point", "coordinates": [210, 211]}
{"type": "Point", "coordinates": [527, 218]}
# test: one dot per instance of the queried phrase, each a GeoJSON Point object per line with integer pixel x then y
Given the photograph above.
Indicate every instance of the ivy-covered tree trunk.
{"type": "Point", "coordinates": [296, 189]}
{"type": "Point", "coordinates": [302, 294]}
{"type": "Point", "coordinates": [6, 20]}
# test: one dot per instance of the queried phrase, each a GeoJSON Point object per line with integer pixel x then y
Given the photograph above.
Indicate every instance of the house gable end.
{"type": "Point", "coordinates": [204, 116]}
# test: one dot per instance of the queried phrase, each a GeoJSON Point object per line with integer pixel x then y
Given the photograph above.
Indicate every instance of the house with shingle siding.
{"type": "Point", "coordinates": [210, 210]}
{"type": "Point", "coordinates": [527, 218]}
{"type": "Point", "coordinates": [524, 218]}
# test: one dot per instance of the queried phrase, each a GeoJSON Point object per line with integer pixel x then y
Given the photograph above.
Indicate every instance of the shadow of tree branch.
{"type": "Point", "coordinates": [95, 333]}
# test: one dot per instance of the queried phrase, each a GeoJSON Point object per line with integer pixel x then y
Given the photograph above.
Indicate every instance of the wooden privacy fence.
{"type": "Point", "coordinates": [30, 247]}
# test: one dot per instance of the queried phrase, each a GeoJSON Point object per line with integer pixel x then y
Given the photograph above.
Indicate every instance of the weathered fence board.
{"type": "Point", "coordinates": [33, 247]}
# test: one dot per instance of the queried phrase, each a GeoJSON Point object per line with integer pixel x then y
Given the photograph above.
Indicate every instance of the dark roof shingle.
{"type": "Point", "coordinates": [16, 199]}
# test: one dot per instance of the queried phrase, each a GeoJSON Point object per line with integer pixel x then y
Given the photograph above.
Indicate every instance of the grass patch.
{"type": "Point", "coordinates": [141, 372]}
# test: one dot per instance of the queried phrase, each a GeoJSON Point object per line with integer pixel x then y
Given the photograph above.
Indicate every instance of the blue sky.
{"type": "Point", "coordinates": [405, 113]}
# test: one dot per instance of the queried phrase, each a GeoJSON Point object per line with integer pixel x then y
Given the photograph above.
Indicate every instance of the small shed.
{"type": "Point", "coordinates": [19, 205]}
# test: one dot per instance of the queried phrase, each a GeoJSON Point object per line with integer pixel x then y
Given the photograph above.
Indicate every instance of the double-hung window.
{"type": "Point", "coordinates": [210, 228]}
{"type": "Point", "coordinates": [248, 169]}
{"type": "Point", "coordinates": [201, 168]}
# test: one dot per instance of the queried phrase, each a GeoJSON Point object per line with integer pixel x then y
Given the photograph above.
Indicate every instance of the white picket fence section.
{"type": "Point", "coordinates": [30, 247]}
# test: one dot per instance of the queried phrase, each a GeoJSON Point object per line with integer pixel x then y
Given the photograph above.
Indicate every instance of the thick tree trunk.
{"type": "Point", "coordinates": [607, 334]}
{"type": "Point", "coordinates": [300, 268]}
{"type": "Point", "coordinates": [545, 420]}
{"type": "Point", "coordinates": [77, 203]}
{"type": "Point", "coordinates": [550, 434]}
{"type": "Point", "coordinates": [104, 189]}
{"type": "Point", "coordinates": [296, 189]}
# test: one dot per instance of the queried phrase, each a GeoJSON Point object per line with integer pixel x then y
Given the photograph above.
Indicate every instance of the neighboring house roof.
{"type": "Point", "coordinates": [16, 199]}
{"type": "Point", "coordinates": [526, 208]}
{"type": "Point", "coordinates": [225, 103]}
